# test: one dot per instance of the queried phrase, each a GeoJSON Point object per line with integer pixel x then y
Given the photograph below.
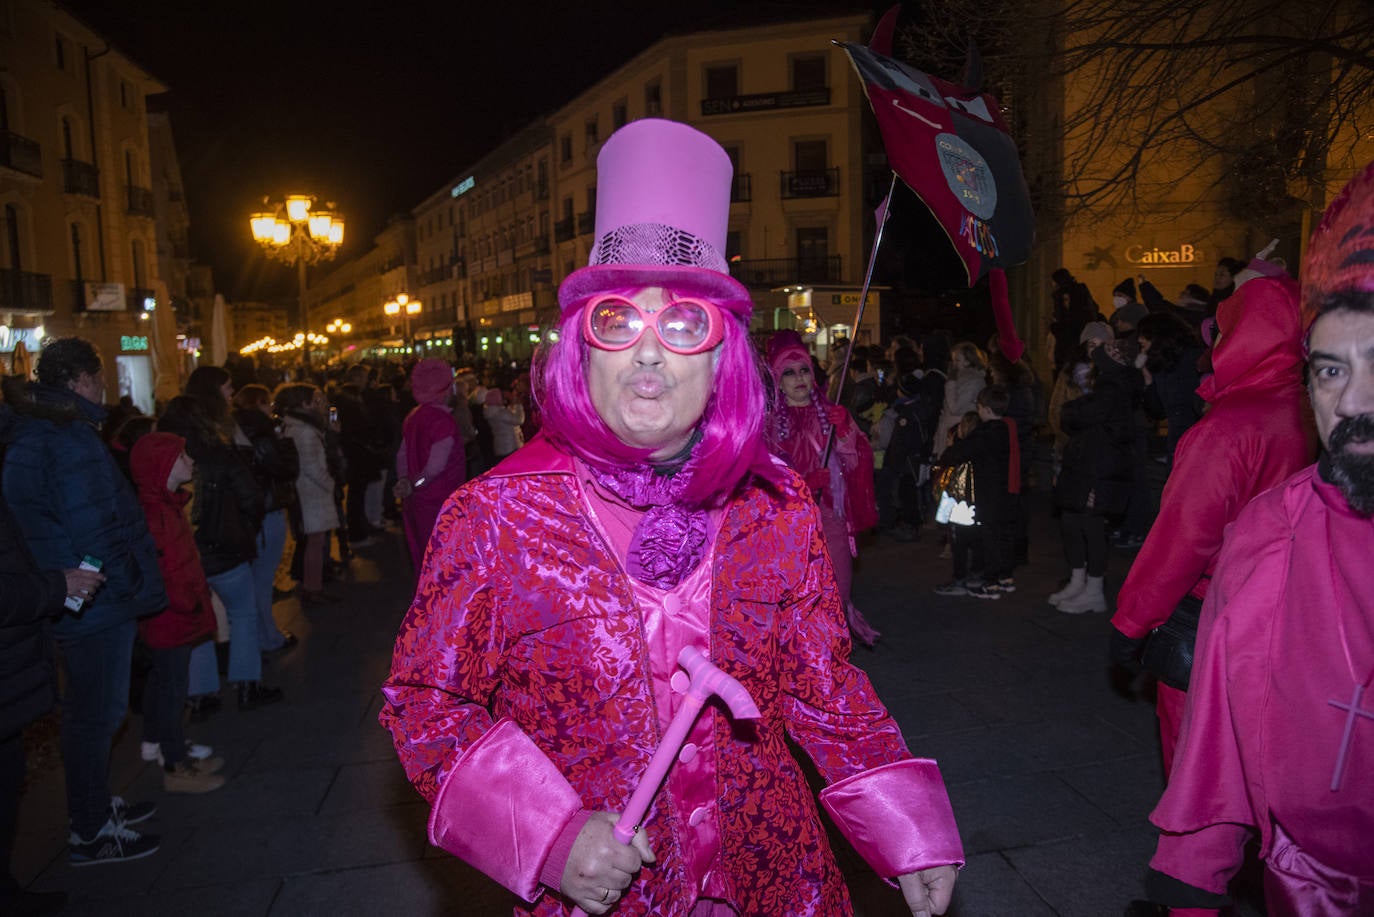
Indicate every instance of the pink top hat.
{"type": "Point", "coordinates": [662, 212]}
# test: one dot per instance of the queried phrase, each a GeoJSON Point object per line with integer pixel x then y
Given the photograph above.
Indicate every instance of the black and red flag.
{"type": "Point", "coordinates": [949, 144]}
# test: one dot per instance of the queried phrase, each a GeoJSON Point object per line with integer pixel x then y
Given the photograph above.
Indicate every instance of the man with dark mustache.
{"type": "Point", "coordinates": [1278, 733]}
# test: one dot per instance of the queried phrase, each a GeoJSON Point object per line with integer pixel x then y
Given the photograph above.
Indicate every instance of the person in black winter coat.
{"type": "Point", "coordinates": [1171, 350]}
{"type": "Point", "coordinates": [1095, 476]}
{"type": "Point", "coordinates": [1074, 307]}
{"type": "Point", "coordinates": [29, 599]}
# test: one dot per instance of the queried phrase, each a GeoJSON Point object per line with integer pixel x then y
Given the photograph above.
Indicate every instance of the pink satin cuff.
{"type": "Point", "coordinates": [897, 816]}
{"type": "Point", "coordinates": [503, 807]}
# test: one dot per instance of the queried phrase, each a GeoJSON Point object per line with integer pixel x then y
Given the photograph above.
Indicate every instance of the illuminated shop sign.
{"type": "Point", "coordinates": [463, 187]}
{"type": "Point", "coordinates": [133, 342]}
{"type": "Point", "coordinates": [1184, 256]}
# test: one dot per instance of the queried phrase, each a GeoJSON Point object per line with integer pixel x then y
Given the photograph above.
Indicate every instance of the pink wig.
{"type": "Point", "coordinates": [730, 428]}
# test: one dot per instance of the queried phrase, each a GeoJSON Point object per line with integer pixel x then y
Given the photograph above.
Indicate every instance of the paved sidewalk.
{"type": "Point", "coordinates": [1052, 775]}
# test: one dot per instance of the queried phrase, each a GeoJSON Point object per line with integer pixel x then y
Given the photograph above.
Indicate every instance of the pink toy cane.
{"type": "Point", "coordinates": [706, 680]}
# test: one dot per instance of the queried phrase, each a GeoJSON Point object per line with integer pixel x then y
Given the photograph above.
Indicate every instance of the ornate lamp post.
{"type": "Point", "coordinates": [403, 304]}
{"type": "Point", "coordinates": [292, 232]}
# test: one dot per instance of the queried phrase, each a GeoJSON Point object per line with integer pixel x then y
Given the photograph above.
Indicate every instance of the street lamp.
{"type": "Point", "coordinates": [294, 232]}
{"type": "Point", "coordinates": [403, 304]}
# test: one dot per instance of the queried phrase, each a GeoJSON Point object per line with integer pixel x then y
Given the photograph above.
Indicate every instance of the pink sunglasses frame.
{"type": "Point", "coordinates": [715, 329]}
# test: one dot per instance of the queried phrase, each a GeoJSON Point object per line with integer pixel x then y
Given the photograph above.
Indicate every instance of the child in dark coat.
{"type": "Point", "coordinates": [993, 450]}
{"type": "Point", "coordinates": [160, 466]}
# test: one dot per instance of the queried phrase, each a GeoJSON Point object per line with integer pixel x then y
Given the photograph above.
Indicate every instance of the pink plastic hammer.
{"type": "Point", "coordinates": [706, 681]}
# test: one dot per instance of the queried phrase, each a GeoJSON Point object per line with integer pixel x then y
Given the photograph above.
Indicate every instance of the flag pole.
{"type": "Point", "coordinates": [859, 310]}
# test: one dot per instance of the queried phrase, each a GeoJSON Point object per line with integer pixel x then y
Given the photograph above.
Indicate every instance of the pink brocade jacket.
{"type": "Point", "coordinates": [520, 694]}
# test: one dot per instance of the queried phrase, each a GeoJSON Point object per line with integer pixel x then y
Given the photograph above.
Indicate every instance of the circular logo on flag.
{"type": "Point", "coordinates": [967, 174]}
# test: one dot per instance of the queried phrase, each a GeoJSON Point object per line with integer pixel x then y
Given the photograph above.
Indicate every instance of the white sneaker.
{"type": "Point", "coordinates": [1091, 598]}
{"type": "Point", "coordinates": [152, 751]}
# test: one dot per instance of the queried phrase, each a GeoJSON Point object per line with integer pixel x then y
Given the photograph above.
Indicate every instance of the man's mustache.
{"type": "Point", "coordinates": [1357, 429]}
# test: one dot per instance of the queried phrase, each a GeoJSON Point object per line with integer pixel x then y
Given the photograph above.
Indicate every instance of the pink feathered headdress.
{"type": "Point", "coordinates": [1340, 256]}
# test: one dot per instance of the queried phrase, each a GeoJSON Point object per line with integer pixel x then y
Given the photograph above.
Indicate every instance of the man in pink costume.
{"type": "Point", "coordinates": [536, 669]}
{"type": "Point", "coordinates": [1254, 434]}
{"type": "Point", "coordinates": [1278, 734]}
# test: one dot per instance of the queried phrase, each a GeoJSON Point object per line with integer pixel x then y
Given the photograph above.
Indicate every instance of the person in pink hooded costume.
{"type": "Point", "coordinates": [1256, 432]}
{"type": "Point", "coordinates": [535, 672]}
{"type": "Point", "coordinates": [1278, 732]}
{"type": "Point", "coordinates": [799, 432]}
{"type": "Point", "coordinates": [431, 462]}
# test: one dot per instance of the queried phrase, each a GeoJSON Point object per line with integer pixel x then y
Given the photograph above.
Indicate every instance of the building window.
{"type": "Point", "coordinates": [13, 249]}
{"type": "Point", "coordinates": [567, 208]}
{"type": "Point", "coordinates": [808, 73]}
{"type": "Point", "coordinates": [139, 265]}
{"type": "Point", "coordinates": [123, 94]}
{"type": "Point", "coordinates": [733, 245]}
{"type": "Point", "coordinates": [810, 155]}
{"type": "Point", "coordinates": [813, 243]}
{"type": "Point", "coordinates": [565, 149]}
{"type": "Point", "coordinates": [593, 131]}
{"type": "Point", "coordinates": [68, 149]}
{"type": "Point", "coordinates": [722, 81]}
{"type": "Point", "coordinates": [78, 270]}
{"type": "Point", "coordinates": [60, 51]}
{"type": "Point", "coordinates": [653, 99]}
{"type": "Point", "coordinates": [620, 114]}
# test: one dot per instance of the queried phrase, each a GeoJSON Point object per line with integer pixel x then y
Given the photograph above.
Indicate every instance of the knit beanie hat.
{"type": "Point", "coordinates": [431, 381]}
{"type": "Point", "coordinates": [1096, 331]}
{"type": "Point", "coordinates": [1126, 288]}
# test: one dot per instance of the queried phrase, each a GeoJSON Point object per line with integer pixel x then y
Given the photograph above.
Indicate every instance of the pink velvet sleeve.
{"type": "Point", "coordinates": [897, 817]}
{"type": "Point", "coordinates": [503, 808]}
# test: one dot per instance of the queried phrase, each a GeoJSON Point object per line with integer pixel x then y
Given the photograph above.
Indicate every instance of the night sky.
{"type": "Point", "coordinates": [372, 110]}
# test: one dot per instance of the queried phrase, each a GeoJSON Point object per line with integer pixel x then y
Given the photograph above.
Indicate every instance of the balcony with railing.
{"type": "Point", "coordinates": [777, 272]}
{"type": "Point", "coordinates": [21, 154]}
{"type": "Point", "coordinates": [80, 178]}
{"type": "Point", "coordinates": [26, 291]}
{"type": "Point", "coordinates": [138, 201]}
{"type": "Point", "coordinates": [563, 230]}
{"type": "Point", "coordinates": [811, 183]}
{"type": "Point", "coordinates": [741, 189]}
{"type": "Point", "coordinates": [586, 223]}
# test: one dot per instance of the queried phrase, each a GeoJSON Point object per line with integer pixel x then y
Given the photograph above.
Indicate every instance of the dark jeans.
{"type": "Point", "coordinates": [97, 697]}
{"type": "Point", "coordinates": [11, 780]}
{"type": "Point", "coordinates": [164, 694]}
{"type": "Point", "coordinates": [898, 501]}
{"type": "Point", "coordinates": [998, 525]}
{"type": "Point", "coordinates": [1085, 541]}
{"type": "Point", "coordinates": [966, 541]}
{"type": "Point", "coordinates": [356, 518]}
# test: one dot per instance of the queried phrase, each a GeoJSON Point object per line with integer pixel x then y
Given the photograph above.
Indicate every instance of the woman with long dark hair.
{"type": "Point", "coordinates": [227, 514]}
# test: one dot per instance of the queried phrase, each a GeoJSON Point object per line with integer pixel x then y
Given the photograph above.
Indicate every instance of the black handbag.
{"type": "Point", "coordinates": [1168, 652]}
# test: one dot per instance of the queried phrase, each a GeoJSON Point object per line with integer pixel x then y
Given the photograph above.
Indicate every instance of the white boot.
{"type": "Point", "coordinates": [1090, 599]}
{"type": "Point", "coordinates": [1076, 583]}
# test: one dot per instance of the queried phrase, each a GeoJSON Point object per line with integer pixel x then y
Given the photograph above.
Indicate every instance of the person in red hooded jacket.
{"type": "Point", "coordinates": [159, 465]}
{"type": "Point", "coordinates": [1257, 431]}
